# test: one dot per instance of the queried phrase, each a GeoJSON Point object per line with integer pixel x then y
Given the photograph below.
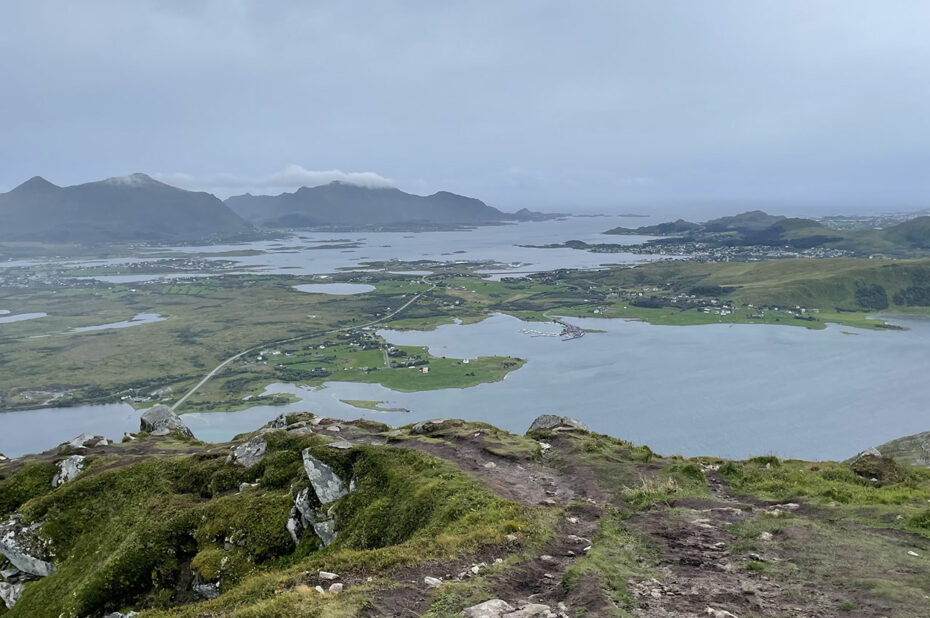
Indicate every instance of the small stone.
{"type": "Point", "coordinates": [319, 589]}
{"type": "Point", "coordinates": [334, 428]}
{"type": "Point", "coordinates": [766, 536]}
{"type": "Point", "coordinates": [549, 502]}
{"type": "Point", "coordinates": [719, 613]}
{"type": "Point", "coordinates": [489, 609]}
{"type": "Point", "coordinates": [490, 465]}
{"type": "Point", "coordinates": [326, 575]}
{"type": "Point", "coordinates": [912, 553]}
{"type": "Point", "coordinates": [547, 558]}
{"type": "Point", "coordinates": [572, 520]}
{"type": "Point", "coordinates": [432, 582]}
{"type": "Point", "coordinates": [335, 588]}
{"type": "Point", "coordinates": [511, 537]}
{"type": "Point", "coordinates": [340, 444]}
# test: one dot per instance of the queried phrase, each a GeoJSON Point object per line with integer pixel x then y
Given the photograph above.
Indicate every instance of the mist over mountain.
{"type": "Point", "coordinates": [133, 208]}
{"type": "Point", "coordinates": [339, 204]}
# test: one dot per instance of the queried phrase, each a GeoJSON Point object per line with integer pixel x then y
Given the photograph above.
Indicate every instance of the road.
{"type": "Point", "coordinates": [267, 344]}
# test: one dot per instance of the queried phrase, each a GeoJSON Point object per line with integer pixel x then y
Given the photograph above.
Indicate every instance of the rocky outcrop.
{"type": "Point", "coordinates": [554, 422]}
{"type": "Point", "coordinates": [429, 426]}
{"type": "Point", "coordinates": [327, 488]}
{"type": "Point", "coordinates": [19, 544]}
{"type": "Point", "coordinates": [161, 420]}
{"type": "Point", "coordinates": [249, 452]}
{"type": "Point", "coordinates": [68, 469]}
{"type": "Point", "coordinates": [10, 593]}
{"type": "Point", "coordinates": [326, 483]}
{"type": "Point", "coordinates": [86, 440]}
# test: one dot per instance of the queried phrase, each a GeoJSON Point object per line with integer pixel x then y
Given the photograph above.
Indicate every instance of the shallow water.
{"type": "Point", "coordinates": [339, 289]}
{"type": "Point", "coordinates": [138, 320]}
{"type": "Point", "coordinates": [731, 391]}
{"type": "Point", "coordinates": [6, 318]}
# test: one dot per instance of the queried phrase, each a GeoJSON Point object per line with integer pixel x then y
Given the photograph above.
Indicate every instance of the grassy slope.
{"type": "Point", "coordinates": [129, 530]}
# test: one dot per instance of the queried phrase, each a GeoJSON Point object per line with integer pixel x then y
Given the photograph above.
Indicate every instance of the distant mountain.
{"type": "Point", "coordinates": [132, 208]}
{"type": "Point", "coordinates": [343, 205]}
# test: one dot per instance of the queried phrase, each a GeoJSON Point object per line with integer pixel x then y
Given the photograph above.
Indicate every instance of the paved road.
{"type": "Point", "coordinates": [220, 367]}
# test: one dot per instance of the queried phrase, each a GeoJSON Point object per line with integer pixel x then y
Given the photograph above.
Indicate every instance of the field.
{"type": "Point", "coordinates": [209, 320]}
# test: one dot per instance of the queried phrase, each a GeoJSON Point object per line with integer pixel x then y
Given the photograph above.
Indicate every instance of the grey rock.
{"type": "Point", "coordinates": [20, 546]}
{"type": "Point", "coordinates": [532, 610]}
{"type": "Point", "coordinates": [340, 444]}
{"type": "Point", "coordinates": [300, 431]}
{"type": "Point", "coordinates": [326, 575]}
{"type": "Point", "coordinates": [428, 426]}
{"type": "Point", "coordinates": [10, 574]}
{"type": "Point", "coordinates": [10, 593]}
{"type": "Point", "coordinates": [209, 590]}
{"type": "Point", "coordinates": [85, 440]}
{"type": "Point", "coordinates": [68, 469]}
{"type": "Point", "coordinates": [432, 582]}
{"type": "Point", "coordinates": [556, 423]}
{"type": "Point", "coordinates": [250, 452]}
{"type": "Point", "coordinates": [326, 483]}
{"type": "Point", "coordinates": [121, 615]}
{"type": "Point", "coordinates": [326, 530]}
{"type": "Point", "coordinates": [495, 608]}
{"type": "Point", "coordinates": [335, 588]}
{"type": "Point", "coordinates": [161, 420]}
{"type": "Point", "coordinates": [279, 423]}
{"type": "Point", "coordinates": [4, 457]}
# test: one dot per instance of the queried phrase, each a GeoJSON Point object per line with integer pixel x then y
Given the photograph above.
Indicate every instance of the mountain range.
{"type": "Point", "coordinates": [910, 238]}
{"type": "Point", "coordinates": [138, 208]}
{"type": "Point", "coordinates": [133, 208]}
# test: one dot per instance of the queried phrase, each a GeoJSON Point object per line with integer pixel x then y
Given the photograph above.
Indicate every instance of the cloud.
{"type": "Point", "coordinates": [288, 179]}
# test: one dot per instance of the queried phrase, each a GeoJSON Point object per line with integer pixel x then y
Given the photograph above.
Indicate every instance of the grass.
{"type": "Point", "coordinates": [124, 534]}
{"type": "Point", "coordinates": [616, 556]}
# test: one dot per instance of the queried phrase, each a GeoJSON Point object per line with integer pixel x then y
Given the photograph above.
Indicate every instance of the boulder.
{"type": "Point", "coordinates": [161, 420]}
{"type": "Point", "coordinates": [249, 452]}
{"type": "Point", "coordinates": [85, 440]}
{"type": "Point", "coordinates": [432, 582]}
{"type": "Point", "coordinates": [489, 609]}
{"type": "Point", "coordinates": [68, 469]}
{"type": "Point", "coordinates": [18, 543]}
{"type": "Point", "coordinates": [4, 457]}
{"type": "Point", "coordinates": [10, 593]}
{"type": "Point", "coordinates": [328, 576]}
{"type": "Point", "coordinates": [326, 483]}
{"type": "Point", "coordinates": [556, 423]}
{"type": "Point", "coordinates": [335, 588]}
{"type": "Point", "coordinates": [342, 445]}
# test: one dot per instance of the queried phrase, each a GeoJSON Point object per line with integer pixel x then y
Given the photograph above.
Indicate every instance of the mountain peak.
{"type": "Point", "coordinates": [34, 184]}
{"type": "Point", "coordinates": [133, 180]}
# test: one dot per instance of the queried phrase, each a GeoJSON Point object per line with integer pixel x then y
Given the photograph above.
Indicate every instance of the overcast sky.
{"type": "Point", "coordinates": [573, 105]}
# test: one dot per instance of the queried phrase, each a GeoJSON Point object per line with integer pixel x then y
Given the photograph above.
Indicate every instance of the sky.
{"type": "Point", "coordinates": [820, 106]}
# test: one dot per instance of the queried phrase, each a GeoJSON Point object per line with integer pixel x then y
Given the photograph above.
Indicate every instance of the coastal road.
{"type": "Point", "coordinates": [266, 344]}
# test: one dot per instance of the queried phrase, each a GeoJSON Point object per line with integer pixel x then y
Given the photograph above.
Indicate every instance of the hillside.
{"type": "Point", "coordinates": [133, 208]}
{"type": "Point", "coordinates": [908, 239]}
{"type": "Point", "coordinates": [317, 517]}
{"type": "Point", "coordinates": [341, 205]}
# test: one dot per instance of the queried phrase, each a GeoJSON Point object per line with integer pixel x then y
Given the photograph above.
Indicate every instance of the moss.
{"type": "Point", "coordinates": [31, 481]}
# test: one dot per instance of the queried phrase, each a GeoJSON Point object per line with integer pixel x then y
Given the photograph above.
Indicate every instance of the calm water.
{"type": "Point", "coordinates": [731, 391]}
{"type": "Point", "coordinates": [300, 254]}
{"type": "Point", "coordinates": [138, 320]}
{"type": "Point", "coordinates": [335, 288]}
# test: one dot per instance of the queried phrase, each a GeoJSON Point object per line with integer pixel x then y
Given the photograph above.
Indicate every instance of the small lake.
{"type": "Point", "coordinates": [343, 289]}
{"type": "Point", "coordinates": [726, 390]}
{"type": "Point", "coordinates": [6, 318]}
{"type": "Point", "coordinates": [138, 320]}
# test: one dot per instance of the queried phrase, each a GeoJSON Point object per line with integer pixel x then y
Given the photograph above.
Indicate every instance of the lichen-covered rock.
{"type": "Point", "coordinates": [10, 593]}
{"type": "Point", "coordinates": [556, 423]}
{"type": "Point", "coordinates": [86, 440]}
{"type": "Point", "coordinates": [250, 452]}
{"type": "Point", "coordinates": [18, 543]}
{"type": "Point", "coordinates": [305, 517]}
{"type": "Point", "coordinates": [68, 469]}
{"type": "Point", "coordinates": [489, 609]}
{"type": "Point", "coordinates": [161, 420]}
{"type": "Point", "coordinates": [326, 483]}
